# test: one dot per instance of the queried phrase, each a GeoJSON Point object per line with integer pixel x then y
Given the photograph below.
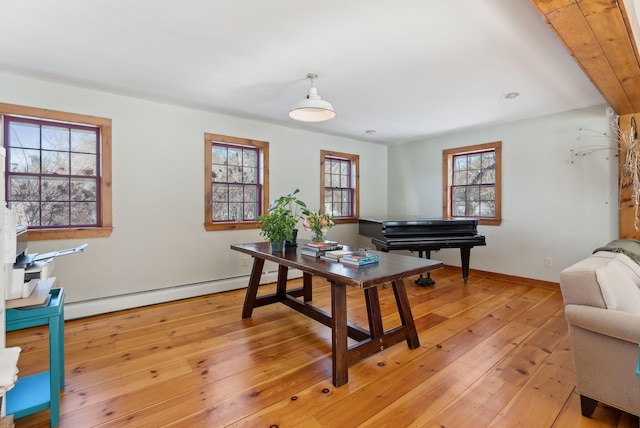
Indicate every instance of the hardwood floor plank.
{"type": "Point", "coordinates": [483, 402]}
{"type": "Point", "coordinates": [169, 400]}
{"type": "Point", "coordinates": [493, 352]}
{"type": "Point", "coordinates": [430, 396]}
{"type": "Point", "coordinates": [540, 400]}
{"type": "Point", "coordinates": [188, 410]}
{"type": "Point", "coordinates": [386, 389]}
{"type": "Point", "coordinates": [171, 372]}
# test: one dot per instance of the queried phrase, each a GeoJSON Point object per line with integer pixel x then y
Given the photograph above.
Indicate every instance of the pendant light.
{"type": "Point", "coordinates": [312, 108]}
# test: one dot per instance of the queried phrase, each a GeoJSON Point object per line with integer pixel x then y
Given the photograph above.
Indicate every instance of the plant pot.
{"type": "Point", "coordinates": [277, 246]}
{"type": "Point", "coordinates": [294, 239]}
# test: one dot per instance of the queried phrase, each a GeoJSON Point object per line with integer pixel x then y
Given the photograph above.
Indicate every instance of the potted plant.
{"type": "Point", "coordinates": [295, 206]}
{"type": "Point", "coordinates": [277, 227]}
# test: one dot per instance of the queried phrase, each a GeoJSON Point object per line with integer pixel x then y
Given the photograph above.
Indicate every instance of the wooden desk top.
{"type": "Point", "coordinates": [391, 267]}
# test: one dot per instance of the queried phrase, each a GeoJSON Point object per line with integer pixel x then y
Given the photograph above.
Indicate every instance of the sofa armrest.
{"type": "Point", "coordinates": [621, 325]}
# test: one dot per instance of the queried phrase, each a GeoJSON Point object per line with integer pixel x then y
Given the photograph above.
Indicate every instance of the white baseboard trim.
{"type": "Point", "coordinates": [105, 305]}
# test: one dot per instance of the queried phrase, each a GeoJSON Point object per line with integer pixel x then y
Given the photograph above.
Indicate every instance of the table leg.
{"type": "Point", "coordinates": [281, 287]}
{"type": "Point", "coordinates": [373, 311]}
{"type": "Point", "coordinates": [54, 370]}
{"type": "Point", "coordinates": [340, 361]}
{"type": "Point", "coordinates": [61, 344]}
{"type": "Point", "coordinates": [404, 309]}
{"type": "Point", "coordinates": [306, 286]}
{"type": "Point", "coordinates": [252, 290]}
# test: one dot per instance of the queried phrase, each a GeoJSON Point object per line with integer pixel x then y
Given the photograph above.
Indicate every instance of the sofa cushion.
{"type": "Point", "coordinates": [620, 284]}
{"type": "Point", "coordinates": [616, 272]}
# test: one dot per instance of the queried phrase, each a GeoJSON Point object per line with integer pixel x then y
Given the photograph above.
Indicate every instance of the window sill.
{"type": "Point", "coordinates": [232, 225]}
{"type": "Point", "coordinates": [489, 221]}
{"type": "Point", "coordinates": [70, 233]}
{"type": "Point", "coordinates": [345, 220]}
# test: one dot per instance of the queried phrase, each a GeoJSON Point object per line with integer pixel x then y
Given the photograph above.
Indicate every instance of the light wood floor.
{"type": "Point", "coordinates": [494, 353]}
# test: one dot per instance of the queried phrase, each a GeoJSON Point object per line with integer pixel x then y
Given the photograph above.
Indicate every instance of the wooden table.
{"type": "Point", "coordinates": [391, 268]}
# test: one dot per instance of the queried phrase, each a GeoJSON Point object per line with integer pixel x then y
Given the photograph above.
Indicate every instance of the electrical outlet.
{"type": "Point", "coordinates": [548, 262]}
{"type": "Point", "coordinates": [245, 261]}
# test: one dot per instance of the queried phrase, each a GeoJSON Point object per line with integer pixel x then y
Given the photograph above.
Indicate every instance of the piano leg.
{"type": "Point", "coordinates": [425, 281]}
{"type": "Point", "coordinates": [464, 255]}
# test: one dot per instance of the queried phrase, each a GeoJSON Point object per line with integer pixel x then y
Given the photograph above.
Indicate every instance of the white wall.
{"type": "Point", "coordinates": [159, 241]}
{"type": "Point", "coordinates": [550, 206]}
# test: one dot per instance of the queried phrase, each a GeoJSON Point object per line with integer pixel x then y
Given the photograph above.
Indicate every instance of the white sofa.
{"type": "Point", "coordinates": [602, 306]}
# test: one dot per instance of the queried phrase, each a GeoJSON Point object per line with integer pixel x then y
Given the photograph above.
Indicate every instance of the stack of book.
{"type": "Point", "coordinates": [317, 249]}
{"type": "Point", "coordinates": [359, 259]}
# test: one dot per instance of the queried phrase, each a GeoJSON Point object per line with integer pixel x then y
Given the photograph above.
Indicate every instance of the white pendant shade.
{"type": "Point", "coordinates": [312, 108]}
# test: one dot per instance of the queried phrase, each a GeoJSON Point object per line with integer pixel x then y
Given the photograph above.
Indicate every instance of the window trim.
{"type": "Point", "coordinates": [105, 126]}
{"type": "Point", "coordinates": [263, 147]}
{"type": "Point", "coordinates": [447, 176]}
{"type": "Point", "coordinates": [355, 163]}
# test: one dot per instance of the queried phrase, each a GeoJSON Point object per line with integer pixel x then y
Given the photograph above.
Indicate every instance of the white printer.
{"type": "Point", "coordinates": [23, 270]}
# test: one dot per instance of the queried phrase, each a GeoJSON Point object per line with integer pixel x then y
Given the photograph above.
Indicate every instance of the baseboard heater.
{"type": "Point", "coordinates": [103, 305]}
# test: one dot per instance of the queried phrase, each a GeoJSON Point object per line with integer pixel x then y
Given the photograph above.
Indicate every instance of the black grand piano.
{"type": "Point", "coordinates": [424, 236]}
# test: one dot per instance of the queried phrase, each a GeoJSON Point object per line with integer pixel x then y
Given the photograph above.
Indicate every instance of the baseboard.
{"type": "Point", "coordinates": [105, 305]}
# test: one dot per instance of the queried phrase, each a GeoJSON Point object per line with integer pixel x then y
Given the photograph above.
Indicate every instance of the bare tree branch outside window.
{"type": "Point", "coordinates": [53, 174]}
{"type": "Point", "coordinates": [474, 189]}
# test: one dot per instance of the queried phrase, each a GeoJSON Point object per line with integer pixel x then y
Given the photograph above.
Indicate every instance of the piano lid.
{"type": "Point", "coordinates": [421, 221]}
{"type": "Point", "coordinates": [417, 227]}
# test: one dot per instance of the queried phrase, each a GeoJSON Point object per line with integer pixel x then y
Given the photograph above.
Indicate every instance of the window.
{"type": "Point", "coordinates": [236, 186]}
{"type": "Point", "coordinates": [58, 172]}
{"type": "Point", "coordinates": [472, 182]}
{"type": "Point", "coordinates": [340, 185]}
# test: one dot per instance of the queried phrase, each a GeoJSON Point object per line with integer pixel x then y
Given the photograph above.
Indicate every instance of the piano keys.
{"type": "Point", "coordinates": [424, 236]}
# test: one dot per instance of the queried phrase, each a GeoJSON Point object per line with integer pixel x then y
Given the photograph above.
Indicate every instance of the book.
{"type": "Point", "coordinates": [324, 245]}
{"type": "Point", "coordinates": [311, 252]}
{"type": "Point", "coordinates": [321, 243]}
{"type": "Point", "coordinates": [336, 254]}
{"type": "Point", "coordinates": [359, 263]}
{"type": "Point", "coordinates": [322, 248]}
{"type": "Point", "coordinates": [355, 257]}
{"type": "Point", "coordinates": [359, 258]}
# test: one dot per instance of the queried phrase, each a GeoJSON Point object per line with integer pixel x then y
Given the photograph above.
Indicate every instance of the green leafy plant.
{"type": "Point", "coordinates": [297, 207]}
{"type": "Point", "coordinates": [278, 225]}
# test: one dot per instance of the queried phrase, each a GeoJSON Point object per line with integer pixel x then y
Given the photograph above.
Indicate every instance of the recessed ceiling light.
{"type": "Point", "coordinates": [370, 131]}
{"type": "Point", "coordinates": [510, 95]}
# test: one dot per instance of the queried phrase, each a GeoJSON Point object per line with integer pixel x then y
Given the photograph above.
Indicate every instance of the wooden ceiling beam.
{"type": "Point", "coordinates": [597, 35]}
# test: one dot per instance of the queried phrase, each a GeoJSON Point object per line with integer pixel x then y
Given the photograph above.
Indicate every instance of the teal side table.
{"type": "Point", "coordinates": [40, 391]}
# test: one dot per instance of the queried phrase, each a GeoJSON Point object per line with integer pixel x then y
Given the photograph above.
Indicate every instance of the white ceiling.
{"type": "Point", "coordinates": [408, 69]}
